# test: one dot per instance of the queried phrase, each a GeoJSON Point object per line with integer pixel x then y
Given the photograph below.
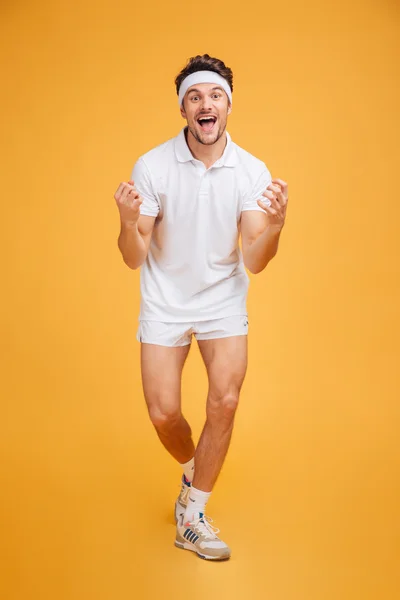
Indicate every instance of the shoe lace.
{"type": "Point", "coordinates": [203, 526]}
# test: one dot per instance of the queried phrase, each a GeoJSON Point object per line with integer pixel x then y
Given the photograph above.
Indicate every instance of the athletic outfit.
{"type": "Point", "coordinates": [193, 280]}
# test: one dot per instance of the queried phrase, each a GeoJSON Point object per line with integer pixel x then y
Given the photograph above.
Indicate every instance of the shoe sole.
{"type": "Point", "coordinates": [187, 546]}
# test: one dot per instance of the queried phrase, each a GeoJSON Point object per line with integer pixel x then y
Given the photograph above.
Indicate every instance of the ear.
{"type": "Point", "coordinates": [229, 109]}
{"type": "Point", "coordinates": [183, 112]}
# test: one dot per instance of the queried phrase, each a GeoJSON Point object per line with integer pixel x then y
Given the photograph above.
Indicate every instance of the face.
{"type": "Point", "coordinates": [206, 108]}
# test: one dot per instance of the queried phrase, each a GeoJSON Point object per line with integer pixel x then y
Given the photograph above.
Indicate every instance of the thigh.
{"type": "Point", "coordinates": [220, 328]}
{"type": "Point", "coordinates": [226, 362]}
{"type": "Point", "coordinates": [164, 334]}
{"type": "Point", "coordinates": [161, 368]}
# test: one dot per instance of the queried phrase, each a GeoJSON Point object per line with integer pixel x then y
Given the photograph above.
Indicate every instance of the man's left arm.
{"type": "Point", "coordinates": [261, 231]}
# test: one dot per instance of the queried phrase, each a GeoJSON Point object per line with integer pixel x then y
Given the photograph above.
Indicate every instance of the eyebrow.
{"type": "Point", "coordinates": [217, 87]}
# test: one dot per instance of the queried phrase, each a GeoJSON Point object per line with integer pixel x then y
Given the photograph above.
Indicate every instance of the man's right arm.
{"type": "Point", "coordinates": [134, 240]}
{"type": "Point", "coordinates": [136, 229]}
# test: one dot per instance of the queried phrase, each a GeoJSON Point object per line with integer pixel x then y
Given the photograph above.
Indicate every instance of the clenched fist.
{"type": "Point", "coordinates": [128, 201]}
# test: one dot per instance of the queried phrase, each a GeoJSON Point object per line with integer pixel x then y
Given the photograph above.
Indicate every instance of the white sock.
{"type": "Point", "coordinates": [188, 469]}
{"type": "Point", "coordinates": [196, 503]}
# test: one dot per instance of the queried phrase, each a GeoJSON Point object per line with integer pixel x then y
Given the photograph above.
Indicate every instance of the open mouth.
{"type": "Point", "coordinates": [207, 123]}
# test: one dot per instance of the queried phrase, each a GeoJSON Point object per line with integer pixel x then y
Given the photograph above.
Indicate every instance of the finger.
{"type": "Point", "coordinates": [274, 188]}
{"type": "Point", "coordinates": [119, 191]}
{"type": "Point", "coordinates": [269, 193]}
{"type": "Point", "coordinates": [271, 211]}
{"type": "Point", "coordinates": [275, 206]}
{"type": "Point", "coordinates": [266, 200]}
{"type": "Point", "coordinates": [132, 186]}
{"type": "Point", "coordinates": [280, 182]}
{"type": "Point", "coordinates": [282, 198]}
{"type": "Point", "coordinates": [272, 197]}
{"type": "Point", "coordinates": [262, 205]}
{"type": "Point", "coordinates": [132, 199]}
{"type": "Point", "coordinates": [283, 184]}
{"type": "Point", "coordinates": [267, 209]}
{"type": "Point", "coordinates": [128, 189]}
{"type": "Point", "coordinates": [131, 182]}
{"type": "Point", "coordinates": [137, 202]}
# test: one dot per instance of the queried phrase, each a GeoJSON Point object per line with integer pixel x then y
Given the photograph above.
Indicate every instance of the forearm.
{"type": "Point", "coordinates": [263, 249]}
{"type": "Point", "coordinates": [131, 245]}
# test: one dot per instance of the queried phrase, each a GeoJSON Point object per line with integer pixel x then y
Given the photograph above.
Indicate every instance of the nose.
{"type": "Point", "coordinates": [206, 103]}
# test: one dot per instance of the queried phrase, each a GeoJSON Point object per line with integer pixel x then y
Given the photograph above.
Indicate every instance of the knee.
{"type": "Point", "coordinates": [164, 418]}
{"type": "Point", "coordinates": [229, 403]}
{"type": "Point", "coordinates": [223, 405]}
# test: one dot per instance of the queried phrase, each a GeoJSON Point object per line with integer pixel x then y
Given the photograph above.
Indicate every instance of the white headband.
{"type": "Point", "coordinates": [203, 77]}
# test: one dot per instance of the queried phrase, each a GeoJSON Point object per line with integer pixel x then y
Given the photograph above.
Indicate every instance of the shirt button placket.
{"type": "Point", "coordinates": [204, 184]}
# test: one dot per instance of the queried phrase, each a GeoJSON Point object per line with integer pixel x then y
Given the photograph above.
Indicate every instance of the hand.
{"type": "Point", "coordinates": [277, 193]}
{"type": "Point", "coordinates": [128, 201]}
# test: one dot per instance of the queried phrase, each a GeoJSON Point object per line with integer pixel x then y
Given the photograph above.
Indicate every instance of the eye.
{"type": "Point", "coordinates": [194, 98]}
{"type": "Point", "coordinates": [217, 95]}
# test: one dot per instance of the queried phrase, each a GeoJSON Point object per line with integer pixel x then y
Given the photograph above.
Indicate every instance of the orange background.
{"type": "Point", "coordinates": [309, 495]}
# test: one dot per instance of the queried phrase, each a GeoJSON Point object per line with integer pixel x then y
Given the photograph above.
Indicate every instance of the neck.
{"type": "Point", "coordinates": [208, 154]}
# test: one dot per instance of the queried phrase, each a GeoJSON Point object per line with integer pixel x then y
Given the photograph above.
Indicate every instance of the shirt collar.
{"type": "Point", "coordinates": [183, 153]}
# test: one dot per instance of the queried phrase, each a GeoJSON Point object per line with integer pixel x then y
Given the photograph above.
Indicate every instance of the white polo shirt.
{"type": "Point", "coordinates": [194, 269]}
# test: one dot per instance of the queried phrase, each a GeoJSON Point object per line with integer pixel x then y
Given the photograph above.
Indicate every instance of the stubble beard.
{"type": "Point", "coordinates": [207, 140]}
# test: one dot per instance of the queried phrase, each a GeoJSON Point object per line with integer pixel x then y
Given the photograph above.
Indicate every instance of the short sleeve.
{"type": "Point", "coordinates": [141, 176]}
{"type": "Point", "coordinates": [260, 185]}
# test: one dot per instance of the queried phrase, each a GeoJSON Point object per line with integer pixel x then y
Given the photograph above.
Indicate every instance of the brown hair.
{"type": "Point", "coordinates": [204, 63]}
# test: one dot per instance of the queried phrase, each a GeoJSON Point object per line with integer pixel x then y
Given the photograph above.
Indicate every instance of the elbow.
{"type": "Point", "coordinates": [249, 266]}
{"type": "Point", "coordinates": [255, 269]}
{"type": "Point", "coordinates": [134, 266]}
{"type": "Point", "coordinates": [251, 263]}
{"type": "Point", "coordinates": [131, 263]}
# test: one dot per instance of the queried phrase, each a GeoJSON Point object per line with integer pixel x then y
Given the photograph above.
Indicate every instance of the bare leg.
{"type": "Point", "coordinates": [226, 363]}
{"type": "Point", "coordinates": [161, 378]}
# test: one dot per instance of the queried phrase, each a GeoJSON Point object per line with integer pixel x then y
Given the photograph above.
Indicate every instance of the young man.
{"type": "Point", "coordinates": [181, 215]}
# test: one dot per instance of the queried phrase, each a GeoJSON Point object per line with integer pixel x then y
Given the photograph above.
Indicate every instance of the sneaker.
{"type": "Point", "coordinates": [182, 500]}
{"type": "Point", "coordinates": [201, 537]}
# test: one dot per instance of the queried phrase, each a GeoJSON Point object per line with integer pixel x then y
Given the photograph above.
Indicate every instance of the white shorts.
{"type": "Point", "coordinates": [180, 334]}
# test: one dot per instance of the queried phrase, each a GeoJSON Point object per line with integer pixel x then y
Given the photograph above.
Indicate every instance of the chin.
{"type": "Point", "coordinates": [208, 140]}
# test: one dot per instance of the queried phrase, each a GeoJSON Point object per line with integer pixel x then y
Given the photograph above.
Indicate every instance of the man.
{"type": "Point", "coordinates": [181, 213]}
